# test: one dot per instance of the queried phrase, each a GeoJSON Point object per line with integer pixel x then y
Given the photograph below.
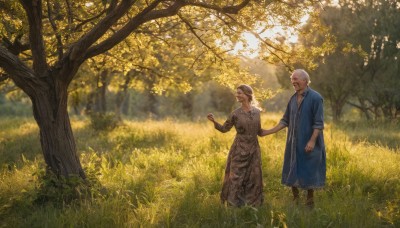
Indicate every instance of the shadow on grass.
{"type": "Point", "coordinates": [19, 140]}
{"type": "Point", "coordinates": [25, 144]}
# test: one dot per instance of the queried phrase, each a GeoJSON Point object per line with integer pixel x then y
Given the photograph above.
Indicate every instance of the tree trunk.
{"type": "Point", "coordinates": [364, 109]}
{"type": "Point", "coordinates": [103, 90]}
{"type": "Point", "coordinates": [336, 112]}
{"type": "Point", "coordinates": [121, 97]}
{"type": "Point", "coordinates": [119, 100]}
{"type": "Point", "coordinates": [89, 103]}
{"type": "Point", "coordinates": [56, 138]}
{"type": "Point", "coordinates": [101, 93]}
{"type": "Point", "coordinates": [152, 104]}
{"type": "Point", "coordinates": [187, 104]}
{"type": "Point", "coordinates": [337, 107]}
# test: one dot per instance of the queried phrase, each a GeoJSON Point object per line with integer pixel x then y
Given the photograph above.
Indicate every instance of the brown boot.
{"type": "Point", "coordinates": [296, 197]}
{"type": "Point", "coordinates": [310, 198]}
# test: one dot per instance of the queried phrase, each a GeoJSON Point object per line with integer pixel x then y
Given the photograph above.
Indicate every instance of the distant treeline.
{"type": "Point", "coordinates": [142, 101]}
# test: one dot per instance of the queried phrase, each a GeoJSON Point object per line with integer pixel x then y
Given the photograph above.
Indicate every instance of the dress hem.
{"type": "Point", "coordinates": [305, 187]}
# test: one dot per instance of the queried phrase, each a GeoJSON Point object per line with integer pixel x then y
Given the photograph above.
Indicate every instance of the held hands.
{"type": "Point", "coordinates": [210, 117]}
{"type": "Point", "coordinates": [265, 132]}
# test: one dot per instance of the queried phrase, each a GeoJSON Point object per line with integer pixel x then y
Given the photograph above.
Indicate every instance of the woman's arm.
{"type": "Point", "coordinates": [222, 128]}
{"type": "Point", "coordinates": [210, 117]}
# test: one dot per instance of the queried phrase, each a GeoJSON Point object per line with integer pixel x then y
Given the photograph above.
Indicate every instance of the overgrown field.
{"type": "Point", "coordinates": [169, 174]}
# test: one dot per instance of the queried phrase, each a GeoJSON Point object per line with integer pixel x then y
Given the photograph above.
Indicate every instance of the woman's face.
{"type": "Point", "coordinates": [241, 96]}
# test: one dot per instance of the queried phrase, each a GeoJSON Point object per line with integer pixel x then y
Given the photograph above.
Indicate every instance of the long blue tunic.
{"type": "Point", "coordinates": [302, 169]}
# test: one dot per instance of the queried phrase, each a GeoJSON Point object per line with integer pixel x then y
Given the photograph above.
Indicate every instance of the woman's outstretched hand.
{"type": "Point", "coordinates": [210, 117]}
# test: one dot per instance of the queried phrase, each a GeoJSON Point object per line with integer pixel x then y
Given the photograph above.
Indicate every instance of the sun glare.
{"type": "Point", "coordinates": [250, 46]}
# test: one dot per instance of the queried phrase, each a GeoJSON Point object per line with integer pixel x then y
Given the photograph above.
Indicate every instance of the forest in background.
{"type": "Point", "coordinates": [355, 68]}
{"type": "Point", "coordinates": [137, 78]}
{"type": "Point", "coordinates": [141, 104]}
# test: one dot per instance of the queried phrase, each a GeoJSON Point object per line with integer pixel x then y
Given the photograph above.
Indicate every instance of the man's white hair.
{"type": "Point", "coordinates": [303, 74]}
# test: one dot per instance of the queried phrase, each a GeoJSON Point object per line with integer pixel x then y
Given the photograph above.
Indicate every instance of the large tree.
{"type": "Point", "coordinates": [43, 58]}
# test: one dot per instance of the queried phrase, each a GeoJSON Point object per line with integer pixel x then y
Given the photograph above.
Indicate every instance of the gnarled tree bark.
{"type": "Point", "coordinates": [56, 137]}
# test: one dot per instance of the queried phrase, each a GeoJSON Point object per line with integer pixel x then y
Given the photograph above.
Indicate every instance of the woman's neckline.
{"type": "Point", "coordinates": [242, 109]}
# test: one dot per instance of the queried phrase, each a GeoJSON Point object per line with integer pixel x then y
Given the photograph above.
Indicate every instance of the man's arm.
{"type": "Point", "coordinates": [311, 143]}
{"type": "Point", "coordinates": [275, 129]}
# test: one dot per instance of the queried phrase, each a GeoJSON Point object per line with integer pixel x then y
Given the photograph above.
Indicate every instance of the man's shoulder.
{"type": "Point", "coordinates": [315, 94]}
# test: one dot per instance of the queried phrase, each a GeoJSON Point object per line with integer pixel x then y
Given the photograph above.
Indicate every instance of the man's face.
{"type": "Point", "coordinates": [299, 84]}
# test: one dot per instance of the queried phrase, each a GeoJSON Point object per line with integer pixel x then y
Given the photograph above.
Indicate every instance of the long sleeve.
{"type": "Point", "coordinates": [318, 119]}
{"type": "Point", "coordinates": [228, 124]}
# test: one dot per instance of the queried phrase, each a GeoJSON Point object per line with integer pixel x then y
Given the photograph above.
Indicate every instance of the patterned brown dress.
{"type": "Point", "coordinates": [243, 176]}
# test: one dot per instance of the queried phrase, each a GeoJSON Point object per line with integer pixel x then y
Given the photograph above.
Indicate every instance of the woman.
{"type": "Point", "coordinates": [243, 176]}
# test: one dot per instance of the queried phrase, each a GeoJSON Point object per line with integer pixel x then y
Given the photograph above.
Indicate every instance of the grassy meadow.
{"type": "Point", "coordinates": [169, 174]}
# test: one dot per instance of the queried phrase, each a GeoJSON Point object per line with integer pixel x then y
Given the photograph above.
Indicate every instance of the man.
{"type": "Point", "coordinates": [305, 157]}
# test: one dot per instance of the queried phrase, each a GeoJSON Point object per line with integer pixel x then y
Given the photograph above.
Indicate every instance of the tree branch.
{"type": "Point", "coordinates": [196, 59]}
{"type": "Point", "coordinates": [55, 29]}
{"type": "Point", "coordinates": [112, 6]}
{"type": "Point", "coordinates": [265, 42]}
{"type": "Point", "coordinates": [134, 23]}
{"type": "Point", "coordinates": [160, 31]}
{"type": "Point", "coordinates": [78, 50]}
{"type": "Point", "coordinates": [33, 9]}
{"type": "Point", "coordinates": [70, 16]}
{"type": "Point", "coordinates": [15, 47]}
{"type": "Point", "coordinates": [149, 14]}
{"type": "Point", "coordinates": [21, 74]}
{"type": "Point", "coordinates": [152, 70]}
{"type": "Point", "coordinates": [198, 37]}
{"type": "Point", "coordinates": [79, 26]}
{"type": "Point", "coordinates": [256, 35]}
{"type": "Point", "coordinates": [226, 9]}
{"type": "Point", "coordinates": [358, 106]}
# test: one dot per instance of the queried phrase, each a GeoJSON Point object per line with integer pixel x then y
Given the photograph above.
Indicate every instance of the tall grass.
{"type": "Point", "coordinates": [169, 174]}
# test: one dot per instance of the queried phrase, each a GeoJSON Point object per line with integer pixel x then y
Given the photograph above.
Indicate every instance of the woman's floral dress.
{"type": "Point", "coordinates": [243, 176]}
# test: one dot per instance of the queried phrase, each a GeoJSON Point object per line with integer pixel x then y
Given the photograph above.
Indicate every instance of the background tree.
{"type": "Point", "coordinates": [382, 73]}
{"type": "Point", "coordinates": [337, 74]}
{"type": "Point", "coordinates": [357, 45]}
